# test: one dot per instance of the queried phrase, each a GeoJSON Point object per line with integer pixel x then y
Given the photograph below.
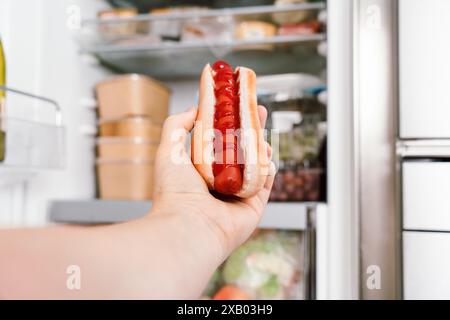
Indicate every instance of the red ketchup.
{"type": "Point", "coordinates": [226, 169]}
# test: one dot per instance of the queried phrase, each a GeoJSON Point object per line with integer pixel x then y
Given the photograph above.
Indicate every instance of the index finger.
{"type": "Point", "coordinates": [262, 113]}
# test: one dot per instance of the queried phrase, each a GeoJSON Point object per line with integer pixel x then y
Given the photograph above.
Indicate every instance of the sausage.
{"type": "Point", "coordinates": [229, 180]}
{"type": "Point", "coordinates": [226, 169]}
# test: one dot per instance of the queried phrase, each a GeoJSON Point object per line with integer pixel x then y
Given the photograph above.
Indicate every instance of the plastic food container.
{"type": "Point", "coordinates": [132, 95]}
{"type": "Point", "coordinates": [126, 148]}
{"type": "Point", "coordinates": [125, 179]}
{"type": "Point", "coordinates": [255, 30]}
{"type": "Point", "coordinates": [294, 183]}
{"type": "Point", "coordinates": [118, 28]}
{"type": "Point", "coordinates": [170, 29]}
{"type": "Point", "coordinates": [208, 29]}
{"type": "Point", "coordinates": [131, 127]}
{"type": "Point", "coordinates": [293, 16]}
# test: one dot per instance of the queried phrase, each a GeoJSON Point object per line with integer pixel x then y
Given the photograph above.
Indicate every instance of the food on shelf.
{"type": "Point", "coordinates": [170, 29]}
{"type": "Point", "coordinates": [216, 29]}
{"type": "Point", "coordinates": [119, 28]}
{"type": "Point", "coordinates": [255, 30]}
{"type": "Point", "coordinates": [299, 174]}
{"type": "Point", "coordinates": [295, 183]}
{"type": "Point", "coordinates": [132, 95]}
{"type": "Point", "coordinates": [132, 109]}
{"type": "Point", "coordinates": [118, 13]}
{"type": "Point", "coordinates": [267, 266]}
{"type": "Point", "coordinates": [297, 120]}
{"type": "Point", "coordinates": [302, 28]}
{"type": "Point", "coordinates": [293, 16]}
{"type": "Point", "coordinates": [238, 163]}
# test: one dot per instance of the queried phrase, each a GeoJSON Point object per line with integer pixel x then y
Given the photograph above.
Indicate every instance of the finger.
{"type": "Point", "coordinates": [177, 126]}
{"type": "Point", "coordinates": [270, 177]}
{"type": "Point", "coordinates": [262, 112]}
{"type": "Point", "coordinates": [269, 151]}
{"type": "Point", "coordinates": [264, 193]}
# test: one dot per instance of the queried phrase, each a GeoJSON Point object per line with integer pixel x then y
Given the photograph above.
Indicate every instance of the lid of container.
{"type": "Point", "coordinates": [134, 77]}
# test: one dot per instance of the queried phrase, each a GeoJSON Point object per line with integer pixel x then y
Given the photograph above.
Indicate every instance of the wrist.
{"type": "Point", "coordinates": [190, 223]}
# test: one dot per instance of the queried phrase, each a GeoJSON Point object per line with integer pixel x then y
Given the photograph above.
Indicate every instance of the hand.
{"type": "Point", "coordinates": [179, 189]}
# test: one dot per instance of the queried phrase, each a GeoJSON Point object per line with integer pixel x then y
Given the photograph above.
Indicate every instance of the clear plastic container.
{"type": "Point", "coordinates": [132, 95]}
{"type": "Point", "coordinates": [126, 148]}
{"type": "Point", "coordinates": [28, 140]}
{"type": "Point", "coordinates": [120, 28]}
{"type": "Point", "coordinates": [125, 179]}
{"type": "Point", "coordinates": [136, 126]}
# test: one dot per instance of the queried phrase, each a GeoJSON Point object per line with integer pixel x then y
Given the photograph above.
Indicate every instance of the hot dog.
{"type": "Point", "coordinates": [228, 148]}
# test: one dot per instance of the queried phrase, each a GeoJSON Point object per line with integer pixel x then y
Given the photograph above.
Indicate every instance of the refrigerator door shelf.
{"type": "Point", "coordinates": [29, 144]}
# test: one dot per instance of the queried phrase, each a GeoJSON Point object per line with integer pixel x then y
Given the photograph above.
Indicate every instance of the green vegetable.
{"type": "Point", "coordinates": [270, 288]}
{"type": "Point", "coordinates": [235, 267]}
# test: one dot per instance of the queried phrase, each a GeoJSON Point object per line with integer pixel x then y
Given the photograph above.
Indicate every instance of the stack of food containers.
{"type": "Point", "coordinates": [132, 109]}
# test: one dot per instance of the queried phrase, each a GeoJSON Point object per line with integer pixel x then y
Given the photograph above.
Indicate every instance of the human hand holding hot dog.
{"type": "Point", "coordinates": [231, 219]}
{"type": "Point", "coordinates": [173, 251]}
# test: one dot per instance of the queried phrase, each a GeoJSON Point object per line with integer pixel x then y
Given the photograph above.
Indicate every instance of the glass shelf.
{"type": "Point", "coordinates": [237, 11]}
{"type": "Point", "coordinates": [28, 142]}
{"type": "Point", "coordinates": [129, 44]}
{"type": "Point", "coordinates": [278, 215]}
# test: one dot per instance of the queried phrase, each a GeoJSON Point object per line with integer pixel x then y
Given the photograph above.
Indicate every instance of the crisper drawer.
{"type": "Point", "coordinates": [424, 48]}
{"type": "Point", "coordinates": [426, 195]}
{"type": "Point", "coordinates": [426, 265]}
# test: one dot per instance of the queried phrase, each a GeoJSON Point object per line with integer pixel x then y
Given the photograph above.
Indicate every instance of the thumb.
{"type": "Point", "coordinates": [176, 128]}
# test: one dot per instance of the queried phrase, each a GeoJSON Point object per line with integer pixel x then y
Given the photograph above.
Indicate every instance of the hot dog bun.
{"type": "Point", "coordinates": [252, 144]}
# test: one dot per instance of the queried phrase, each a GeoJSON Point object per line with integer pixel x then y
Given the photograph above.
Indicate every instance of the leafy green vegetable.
{"type": "Point", "coordinates": [270, 288]}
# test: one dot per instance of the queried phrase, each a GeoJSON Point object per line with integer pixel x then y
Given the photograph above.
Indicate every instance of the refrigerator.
{"type": "Point", "coordinates": [387, 147]}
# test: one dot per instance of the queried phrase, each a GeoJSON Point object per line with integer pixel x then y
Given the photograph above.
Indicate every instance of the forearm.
{"type": "Point", "coordinates": [150, 258]}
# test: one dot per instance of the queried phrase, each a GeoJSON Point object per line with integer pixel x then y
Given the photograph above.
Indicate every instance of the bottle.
{"type": "Point", "coordinates": [2, 101]}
